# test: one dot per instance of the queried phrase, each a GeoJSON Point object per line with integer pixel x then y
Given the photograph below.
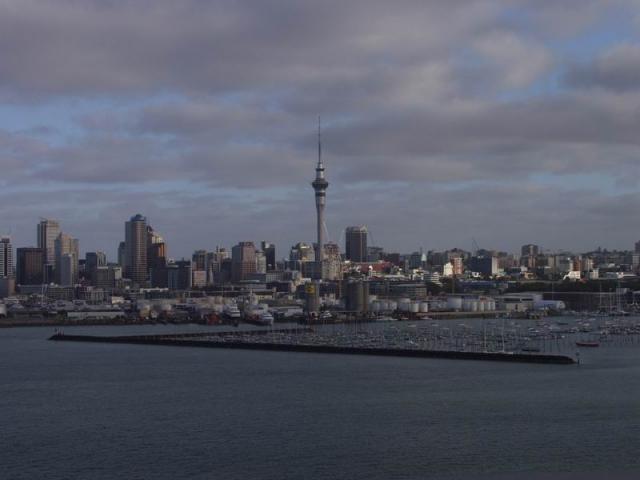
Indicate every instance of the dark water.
{"type": "Point", "coordinates": [76, 411]}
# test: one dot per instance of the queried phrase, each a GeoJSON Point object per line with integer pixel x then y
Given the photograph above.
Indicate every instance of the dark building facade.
{"type": "Point", "coordinates": [30, 266]}
{"type": "Point", "coordinates": [356, 244]}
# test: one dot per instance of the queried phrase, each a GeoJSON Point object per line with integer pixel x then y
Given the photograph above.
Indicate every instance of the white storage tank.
{"type": "Point", "coordinates": [454, 303]}
{"type": "Point", "coordinates": [424, 307]}
{"type": "Point", "coordinates": [375, 306]}
{"type": "Point", "coordinates": [393, 305]}
{"type": "Point", "coordinates": [404, 305]}
{"type": "Point", "coordinates": [474, 305]}
{"type": "Point", "coordinates": [415, 307]}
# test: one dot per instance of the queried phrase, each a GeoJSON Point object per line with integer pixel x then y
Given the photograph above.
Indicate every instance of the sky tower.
{"type": "Point", "coordinates": [320, 185]}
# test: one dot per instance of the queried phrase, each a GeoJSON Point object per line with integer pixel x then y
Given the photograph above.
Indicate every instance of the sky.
{"type": "Point", "coordinates": [504, 121]}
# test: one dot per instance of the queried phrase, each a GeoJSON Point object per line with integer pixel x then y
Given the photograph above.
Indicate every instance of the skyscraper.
{"type": "Point", "coordinates": [29, 265]}
{"type": "Point", "coordinates": [6, 257]}
{"type": "Point", "coordinates": [269, 250]}
{"type": "Point", "coordinates": [92, 261]}
{"type": "Point", "coordinates": [243, 261]}
{"type": "Point", "coordinates": [63, 246]}
{"type": "Point", "coordinates": [135, 234]}
{"type": "Point", "coordinates": [48, 231]}
{"type": "Point", "coordinates": [320, 185]}
{"type": "Point", "coordinates": [356, 244]}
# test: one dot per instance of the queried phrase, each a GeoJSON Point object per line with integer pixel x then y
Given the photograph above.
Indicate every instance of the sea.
{"type": "Point", "coordinates": [103, 411]}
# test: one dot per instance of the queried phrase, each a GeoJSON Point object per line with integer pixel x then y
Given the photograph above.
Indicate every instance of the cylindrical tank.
{"type": "Point", "coordinates": [424, 307]}
{"type": "Point", "coordinates": [415, 307]}
{"type": "Point", "coordinates": [375, 306]}
{"type": "Point", "coordinates": [3, 310]}
{"type": "Point", "coordinates": [482, 305]}
{"type": "Point", "coordinates": [384, 305]}
{"type": "Point", "coordinates": [393, 305]}
{"type": "Point", "coordinates": [358, 296]}
{"type": "Point", "coordinates": [454, 303]}
{"type": "Point", "coordinates": [404, 305]}
{"type": "Point", "coordinates": [474, 305]}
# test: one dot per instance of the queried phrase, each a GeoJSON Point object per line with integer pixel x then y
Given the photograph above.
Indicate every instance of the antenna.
{"type": "Point", "coordinates": [319, 141]}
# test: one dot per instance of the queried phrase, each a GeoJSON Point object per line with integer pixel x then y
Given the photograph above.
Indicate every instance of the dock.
{"type": "Point", "coordinates": [218, 340]}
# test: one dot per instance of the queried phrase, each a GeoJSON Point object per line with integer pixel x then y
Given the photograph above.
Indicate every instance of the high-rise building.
{"type": "Point", "coordinates": [243, 261]}
{"type": "Point", "coordinates": [530, 250]}
{"type": "Point", "coordinates": [261, 262]}
{"type": "Point", "coordinates": [135, 233]}
{"type": "Point", "coordinates": [92, 261]}
{"type": "Point", "coordinates": [269, 250]}
{"type": "Point", "coordinates": [6, 258]}
{"type": "Point", "coordinates": [356, 244]}
{"type": "Point", "coordinates": [67, 245]}
{"type": "Point", "coordinates": [48, 231]}
{"type": "Point", "coordinates": [30, 266]}
{"type": "Point", "coordinates": [179, 275]}
{"type": "Point", "coordinates": [320, 185]}
{"type": "Point", "coordinates": [122, 255]}
{"type": "Point", "coordinates": [199, 260]}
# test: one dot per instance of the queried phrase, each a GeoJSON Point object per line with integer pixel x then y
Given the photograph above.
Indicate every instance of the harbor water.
{"type": "Point", "coordinates": [101, 411]}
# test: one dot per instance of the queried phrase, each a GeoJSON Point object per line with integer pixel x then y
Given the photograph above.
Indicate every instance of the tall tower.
{"type": "Point", "coordinates": [320, 186]}
{"type": "Point", "coordinates": [135, 233]}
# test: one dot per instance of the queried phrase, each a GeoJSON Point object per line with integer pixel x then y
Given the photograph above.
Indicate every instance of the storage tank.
{"type": "Point", "coordinates": [358, 296]}
{"type": "Point", "coordinates": [474, 305]}
{"type": "Point", "coordinates": [424, 307]}
{"type": "Point", "coordinates": [415, 307]}
{"type": "Point", "coordinates": [393, 305]}
{"type": "Point", "coordinates": [384, 305]}
{"type": "Point", "coordinates": [454, 303]}
{"type": "Point", "coordinates": [481, 305]}
{"type": "Point", "coordinates": [404, 305]}
{"type": "Point", "coordinates": [375, 306]}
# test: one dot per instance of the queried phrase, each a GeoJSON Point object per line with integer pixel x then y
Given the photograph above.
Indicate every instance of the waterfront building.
{"type": "Point", "coordinates": [6, 258]}
{"type": "Point", "coordinates": [30, 266]}
{"type": "Point", "coordinates": [320, 185]}
{"type": "Point", "coordinates": [66, 245]}
{"type": "Point", "coordinates": [136, 250]}
{"type": "Point", "coordinates": [47, 232]}
{"type": "Point", "coordinates": [243, 261]}
{"type": "Point", "coordinates": [356, 244]}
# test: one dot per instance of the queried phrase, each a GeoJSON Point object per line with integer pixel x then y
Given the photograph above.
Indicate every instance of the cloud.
{"type": "Point", "coordinates": [439, 119]}
{"type": "Point", "coordinates": [617, 69]}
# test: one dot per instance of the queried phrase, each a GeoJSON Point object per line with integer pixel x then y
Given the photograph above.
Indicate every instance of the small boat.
{"type": "Point", "coordinates": [587, 344]}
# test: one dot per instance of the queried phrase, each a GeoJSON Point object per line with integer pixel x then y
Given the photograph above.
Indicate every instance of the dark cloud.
{"type": "Point", "coordinates": [442, 121]}
{"type": "Point", "coordinates": [617, 69]}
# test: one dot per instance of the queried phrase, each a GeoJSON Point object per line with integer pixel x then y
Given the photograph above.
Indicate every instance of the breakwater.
{"type": "Point", "coordinates": [190, 340]}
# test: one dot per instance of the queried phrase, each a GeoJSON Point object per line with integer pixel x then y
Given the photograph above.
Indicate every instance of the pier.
{"type": "Point", "coordinates": [302, 340]}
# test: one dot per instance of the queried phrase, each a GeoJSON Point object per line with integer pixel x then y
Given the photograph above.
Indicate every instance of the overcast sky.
{"type": "Point", "coordinates": [510, 122]}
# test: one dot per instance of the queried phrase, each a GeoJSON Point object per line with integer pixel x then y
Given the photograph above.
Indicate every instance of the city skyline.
{"type": "Point", "coordinates": [507, 122]}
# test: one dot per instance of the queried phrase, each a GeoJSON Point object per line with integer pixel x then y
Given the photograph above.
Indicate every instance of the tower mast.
{"type": "Point", "coordinates": [320, 186]}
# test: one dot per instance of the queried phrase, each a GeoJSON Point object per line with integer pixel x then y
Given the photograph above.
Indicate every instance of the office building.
{"type": "Point", "coordinates": [243, 261]}
{"type": "Point", "coordinates": [269, 250]}
{"type": "Point", "coordinates": [66, 245]}
{"type": "Point", "coordinates": [30, 266]}
{"type": "Point", "coordinates": [356, 244]}
{"type": "Point", "coordinates": [92, 261]}
{"type": "Point", "coordinates": [48, 231]}
{"type": "Point", "coordinates": [135, 233]}
{"type": "Point", "coordinates": [6, 258]}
